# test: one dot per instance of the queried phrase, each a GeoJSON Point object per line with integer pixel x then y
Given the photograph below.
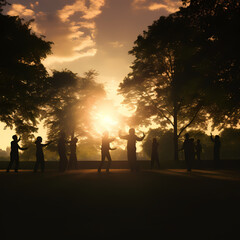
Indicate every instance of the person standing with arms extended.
{"type": "Point", "coordinates": [14, 154]}
{"type": "Point", "coordinates": [39, 154]}
{"type": "Point", "coordinates": [216, 150]}
{"type": "Point", "coordinates": [105, 151]}
{"type": "Point", "coordinates": [187, 147]}
{"type": "Point", "coordinates": [131, 147]}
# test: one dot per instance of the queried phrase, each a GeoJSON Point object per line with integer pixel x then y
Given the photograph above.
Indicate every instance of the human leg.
{"type": "Point", "coordinates": [36, 166]}
{"type": "Point", "coordinates": [10, 163]}
{"type": "Point", "coordinates": [109, 161]}
{"type": "Point", "coordinates": [16, 164]}
{"type": "Point", "coordinates": [102, 161]}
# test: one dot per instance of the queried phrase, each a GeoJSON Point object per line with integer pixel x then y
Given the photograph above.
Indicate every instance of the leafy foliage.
{"type": "Point", "coordinates": [71, 104]}
{"type": "Point", "coordinates": [218, 26]}
{"type": "Point", "coordinates": [186, 68]}
{"type": "Point", "coordinates": [22, 75]}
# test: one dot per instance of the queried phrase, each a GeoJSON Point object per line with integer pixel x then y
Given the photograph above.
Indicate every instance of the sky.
{"type": "Point", "coordinates": [90, 34]}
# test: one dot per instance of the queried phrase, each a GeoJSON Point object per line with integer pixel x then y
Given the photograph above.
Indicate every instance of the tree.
{"type": "Point", "coordinates": [71, 104]}
{"type": "Point", "coordinates": [181, 75]}
{"type": "Point", "coordinates": [163, 84]}
{"type": "Point", "coordinates": [218, 25]}
{"type": "Point", "coordinates": [22, 75]}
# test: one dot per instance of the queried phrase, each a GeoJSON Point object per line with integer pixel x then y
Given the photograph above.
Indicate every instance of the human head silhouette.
{"type": "Point", "coordinates": [187, 136]}
{"type": "Point", "coordinates": [39, 139]}
{"type": "Point", "coordinates": [131, 131]}
{"type": "Point", "coordinates": [14, 137]}
{"type": "Point", "coordinates": [154, 140]}
{"type": "Point", "coordinates": [217, 138]}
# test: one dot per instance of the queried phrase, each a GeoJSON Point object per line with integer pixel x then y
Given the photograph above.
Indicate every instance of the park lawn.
{"type": "Point", "coordinates": [83, 204]}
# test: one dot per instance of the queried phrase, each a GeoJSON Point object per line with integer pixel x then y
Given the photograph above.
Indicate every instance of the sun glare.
{"type": "Point", "coordinates": [104, 122]}
{"type": "Point", "coordinates": [108, 120]}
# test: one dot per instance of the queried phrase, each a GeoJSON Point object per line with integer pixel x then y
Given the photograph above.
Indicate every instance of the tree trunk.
{"type": "Point", "coordinates": [175, 133]}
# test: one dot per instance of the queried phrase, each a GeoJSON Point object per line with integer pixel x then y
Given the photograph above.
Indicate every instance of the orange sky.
{"type": "Point", "coordinates": [90, 34]}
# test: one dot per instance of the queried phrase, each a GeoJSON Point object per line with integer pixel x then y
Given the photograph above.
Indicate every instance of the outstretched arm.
{"type": "Point", "coordinates": [22, 148]}
{"type": "Point", "coordinates": [46, 144]}
{"type": "Point", "coordinates": [141, 138]}
{"type": "Point", "coordinates": [121, 136]}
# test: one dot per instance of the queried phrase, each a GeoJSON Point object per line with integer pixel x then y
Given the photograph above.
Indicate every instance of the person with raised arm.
{"type": "Point", "coordinates": [14, 154]}
{"type": "Point", "coordinates": [131, 147]}
{"type": "Point", "coordinates": [105, 151]}
{"type": "Point", "coordinates": [187, 148]}
{"type": "Point", "coordinates": [39, 154]}
{"type": "Point", "coordinates": [73, 153]}
{"type": "Point", "coordinates": [62, 151]}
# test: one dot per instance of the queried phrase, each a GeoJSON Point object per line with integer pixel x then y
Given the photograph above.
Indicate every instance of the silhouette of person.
{"type": "Point", "coordinates": [39, 154]}
{"type": "Point", "coordinates": [73, 155]}
{"type": "Point", "coordinates": [216, 150]}
{"type": "Point", "coordinates": [14, 154]}
{"type": "Point", "coordinates": [198, 150]}
{"type": "Point", "coordinates": [187, 147]}
{"type": "Point", "coordinates": [131, 147]}
{"type": "Point", "coordinates": [154, 155]}
{"type": "Point", "coordinates": [192, 151]}
{"type": "Point", "coordinates": [105, 151]}
{"type": "Point", "coordinates": [61, 145]}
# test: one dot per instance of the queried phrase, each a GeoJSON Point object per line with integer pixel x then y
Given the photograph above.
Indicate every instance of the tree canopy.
{"type": "Point", "coordinates": [22, 75]}
{"type": "Point", "coordinates": [181, 74]}
{"type": "Point", "coordinates": [72, 102]}
{"type": "Point", "coordinates": [218, 32]}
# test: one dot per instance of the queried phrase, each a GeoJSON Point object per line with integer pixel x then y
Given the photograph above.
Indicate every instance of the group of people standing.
{"type": "Point", "coordinates": [191, 150]}
{"type": "Point", "coordinates": [62, 151]}
{"type": "Point", "coordinates": [64, 163]}
{"type": "Point", "coordinates": [131, 138]}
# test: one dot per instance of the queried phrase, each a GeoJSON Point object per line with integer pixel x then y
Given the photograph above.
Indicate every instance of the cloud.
{"type": "Point", "coordinates": [20, 10]}
{"type": "Point", "coordinates": [71, 27]}
{"type": "Point", "coordinates": [80, 6]}
{"type": "Point", "coordinates": [56, 59]}
{"type": "Point", "coordinates": [116, 44]}
{"type": "Point", "coordinates": [153, 5]}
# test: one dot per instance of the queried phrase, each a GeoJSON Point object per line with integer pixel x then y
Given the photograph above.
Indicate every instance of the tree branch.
{"type": "Point", "coordinates": [158, 109]}
{"type": "Point", "coordinates": [195, 115]}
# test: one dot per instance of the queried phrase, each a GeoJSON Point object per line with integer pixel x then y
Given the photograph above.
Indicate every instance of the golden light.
{"type": "Point", "coordinates": [104, 121]}
{"type": "Point", "coordinates": [106, 115]}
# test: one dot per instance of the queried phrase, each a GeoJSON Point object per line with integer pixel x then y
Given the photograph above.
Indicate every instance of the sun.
{"type": "Point", "coordinates": [108, 120]}
{"type": "Point", "coordinates": [106, 116]}
{"type": "Point", "coordinates": [104, 122]}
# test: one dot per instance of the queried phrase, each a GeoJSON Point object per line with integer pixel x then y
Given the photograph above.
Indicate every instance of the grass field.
{"type": "Point", "coordinates": [82, 204]}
